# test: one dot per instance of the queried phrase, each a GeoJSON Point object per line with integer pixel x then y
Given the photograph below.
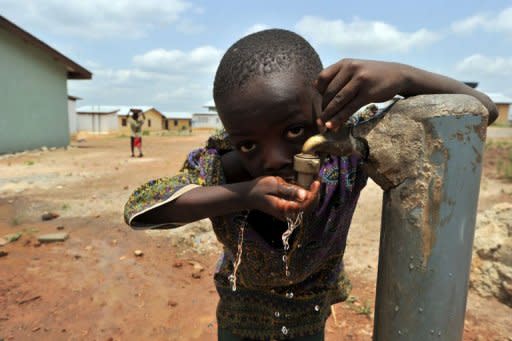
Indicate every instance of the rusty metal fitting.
{"type": "Point", "coordinates": [307, 167]}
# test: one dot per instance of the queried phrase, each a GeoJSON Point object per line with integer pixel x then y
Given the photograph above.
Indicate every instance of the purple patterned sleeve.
{"type": "Point", "coordinates": [202, 168]}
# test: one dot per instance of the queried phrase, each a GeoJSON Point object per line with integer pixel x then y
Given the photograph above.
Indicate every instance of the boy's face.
{"type": "Point", "coordinates": [269, 121]}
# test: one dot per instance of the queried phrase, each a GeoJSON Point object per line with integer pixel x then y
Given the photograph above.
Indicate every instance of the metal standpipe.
{"type": "Point", "coordinates": [426, 154]}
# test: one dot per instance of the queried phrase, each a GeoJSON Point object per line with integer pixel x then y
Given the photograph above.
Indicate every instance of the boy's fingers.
{"type": "Point", "coordinates": [340, 101]}
{"type": "Point", "coordinates": [290, 192]}
{"type": "Point", "coordinates": [325, 77]}
{"type": "Point", "coordinates": [342, 116]}
{"type": "Point", "coordinates": [335, 88]}
{"type": "Point", "coordinates": [314, 188]}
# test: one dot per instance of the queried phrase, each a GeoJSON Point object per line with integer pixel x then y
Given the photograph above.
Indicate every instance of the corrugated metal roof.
{"type": "Point", "coordinates": [122, 110]}
{"type": "Point", "coordinates": [74, 70]}
{"type": "Point", "coordinates": [177, 115]}
{"type": "Point", "coordinates": [97, 109]}
{"type": "Point", "coordinates": [210, 113]}
{"type": "Point", "coordinates": [125, 109]}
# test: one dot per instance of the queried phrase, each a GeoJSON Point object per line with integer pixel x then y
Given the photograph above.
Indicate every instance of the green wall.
{"type": "Point", "coordinates": [33, 97]}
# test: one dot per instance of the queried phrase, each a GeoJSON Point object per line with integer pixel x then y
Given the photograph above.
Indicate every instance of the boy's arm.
{"type": "Point", "coordinates": [350, 84]}
{"type": "Point", "coordinates": [198, 192]}
{"type": "Point", "coordinates": [269, 194]}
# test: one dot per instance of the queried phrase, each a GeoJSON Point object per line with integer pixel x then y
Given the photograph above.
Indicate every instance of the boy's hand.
{"type": "Point", "coordinates": [274, 196]}
{"type": "Point", "coordinates": [350, 84]}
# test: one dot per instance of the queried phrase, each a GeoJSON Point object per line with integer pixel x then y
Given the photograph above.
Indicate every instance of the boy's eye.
{"type": "Point", "coordinates": [247, 147]}
{"type": "Point", "coordinates": [295, 132]}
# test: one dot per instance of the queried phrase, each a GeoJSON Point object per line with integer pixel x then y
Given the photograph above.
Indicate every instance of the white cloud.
{"type": "Point", "coordinates": [489, 21]}
{"type": "Point", "coordinates": [256, 28]}
{"type": "Point", "coordinates": [363, 36]}
{"type": "Point", "coordinates": [478, 65]}
{"type": "Point", "coordinates": [189, 27]}
{"type": "Point", "coordinates": [169, 79]}
{"type": "Point", "coordinates": [203, 59]}
{"type": "Point", "coordinates": [469, 24]}
{"type": "Point", "coordinates": [97, 19]}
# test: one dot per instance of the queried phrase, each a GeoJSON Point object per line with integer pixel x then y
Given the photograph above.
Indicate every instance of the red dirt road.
{"type": "Point", "coordinates": [93, 287]}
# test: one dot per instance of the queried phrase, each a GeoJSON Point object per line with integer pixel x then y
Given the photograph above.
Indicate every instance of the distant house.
{"type": "Point", "coordinates": [97, 119]}
{"type": "Point", "coordinates": [101, 119]}
{"type": "Point", "coordinates": [155, 120]}
{"type": "Point", "coordinates": [210, 106]}
{"type": "Point", "coordinates": [207, 120]}
{"type": "Point", "coordinates": [178, 121]}
{"type": "Point", "coordinates": [504, 105]}
{"type": "Point", "coordinates": [72, 116]}
{"type": "Point", "coordinates": [33, 91]}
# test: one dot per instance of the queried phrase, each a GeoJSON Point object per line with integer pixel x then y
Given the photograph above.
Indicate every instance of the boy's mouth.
{"type": "Point", "coordinates": [288, 176]}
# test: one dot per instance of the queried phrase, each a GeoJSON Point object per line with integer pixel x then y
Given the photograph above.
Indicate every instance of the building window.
{"type": "Point", "coordinates": [175, 123]}
{"type": "Point", "coordinates": [149, 123]}
{"type": "Point", "coordinates": [123, 122]}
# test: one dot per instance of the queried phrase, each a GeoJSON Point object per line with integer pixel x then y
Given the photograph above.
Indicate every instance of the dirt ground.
{"type": "Point", "coordinates": [93, 287]}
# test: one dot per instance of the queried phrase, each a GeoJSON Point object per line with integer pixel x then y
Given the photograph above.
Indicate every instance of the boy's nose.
{"type": "Point", "coordinates": [277, 162]}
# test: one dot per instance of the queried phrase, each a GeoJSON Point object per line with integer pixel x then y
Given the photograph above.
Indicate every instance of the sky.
{"type": "Point", "coordinates": [164, 53]}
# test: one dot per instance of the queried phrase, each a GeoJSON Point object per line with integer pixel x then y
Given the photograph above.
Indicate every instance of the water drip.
{"type": "Point", "coordinates": [293, 222]}
{"type": "Point", "coordinates": [238, 259]}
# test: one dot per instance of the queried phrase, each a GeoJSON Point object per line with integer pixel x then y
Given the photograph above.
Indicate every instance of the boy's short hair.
{"type": "Point", "coordinates": [264, 53]}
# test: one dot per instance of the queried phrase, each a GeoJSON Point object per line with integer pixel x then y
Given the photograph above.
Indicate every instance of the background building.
{"type": "Point", "coordinates": [504, 105]}
{"type": "Point", "coordinates": [72, 116]}
{"type": "Point", "coordinates": [207, 120]}
{"type": "Point", "coordinates": [97, 119]}
{"type": "Point", "coordinates": [178, 121]}
{"type": "Point", "coordinates": [33, 91]}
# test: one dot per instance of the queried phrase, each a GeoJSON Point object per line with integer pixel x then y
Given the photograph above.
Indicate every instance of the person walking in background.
{"type": "Point", "coordinates": [136, 122]}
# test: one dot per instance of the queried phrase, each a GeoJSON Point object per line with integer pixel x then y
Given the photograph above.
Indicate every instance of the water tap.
{"type": "Point", "coordinates": [340, 143]}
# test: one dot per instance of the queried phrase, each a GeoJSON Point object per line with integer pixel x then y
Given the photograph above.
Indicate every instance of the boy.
{"type": "Point", "coordinates": [271, 95]}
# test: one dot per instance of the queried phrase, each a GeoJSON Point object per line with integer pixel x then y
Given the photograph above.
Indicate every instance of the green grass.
{"type": "Point", "coordinates": [503, 151]}
{"type": "Point", "coordinates": [30, 231]}
{"type": "Point", "coordinates": [29, 163]}
{"type": "Point", "coordinates": [173, 133]}
{"type": "Point", "coordinates": [365, 309]}
{"type": "Point", "coordinates": [501, 125]}
{"type": "Point", "coordinates": [351, 299]}
{"type": "Point", "coordinates": [360, 309]}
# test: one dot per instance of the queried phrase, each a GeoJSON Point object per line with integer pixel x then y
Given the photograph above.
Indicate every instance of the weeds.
{"type": "Point", "coordinates": [361, 309]}
{"type": "Point", "coordinates": [365, 309]}
{"type": "Point", "coordinates": [502, 149]}
{"type": "Point", "coordinates": [505, 167]}
{"type": "Point", "coordinates": [351, 299]}
{"type": "Point", "coordinates": [30, 231]}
